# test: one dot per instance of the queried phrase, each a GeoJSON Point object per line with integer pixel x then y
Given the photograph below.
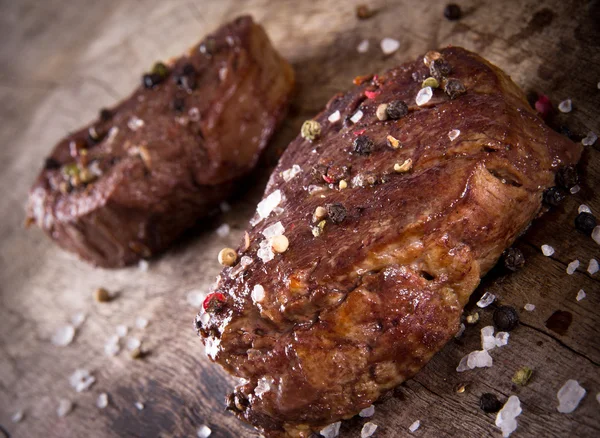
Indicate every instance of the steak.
{"type": "Point", "coordinates": [124, 187]}
{"type": "Point", "coordinates": [391, 215]}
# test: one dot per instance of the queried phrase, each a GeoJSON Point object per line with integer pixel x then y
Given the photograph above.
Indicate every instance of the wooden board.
{"type": "Point", "coordinates": [60, 61]}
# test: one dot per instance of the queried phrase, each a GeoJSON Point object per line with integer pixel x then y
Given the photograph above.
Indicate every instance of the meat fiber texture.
{"type": "Point", "coordinates": [356, 306]}
{"type": "Point", "coordinates": [124, 187]}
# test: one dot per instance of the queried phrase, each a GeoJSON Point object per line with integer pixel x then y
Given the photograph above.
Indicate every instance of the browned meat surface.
{"type": "Point", "coordinates": [360, 303]}
{"type": "Point", "coordinates": [128, 184]}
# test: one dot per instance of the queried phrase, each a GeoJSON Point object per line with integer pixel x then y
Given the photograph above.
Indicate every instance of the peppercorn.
{"type": "Point", "coordinates": [522, 376]}
{"type": "Point", "coordinates": [336, 212]}
{"type": "Point", "coordinates": [227, 257]}
{"type": "Point", "coordinates": [150, 80]}
{"type": "Point", "coordinates": [335, 173]}
{"type": "Point", "coordinates": [101, 295]}
{"type": "Point", "coordinates": [178, 104]}
{"type": "Point", "coordinates": [187, 78]}
{"type": "Point", "coordinates": [214, 302]}
{"type": "Point", "coordinates": [454, 88]}
{"type": "Point", "coordinates": [105, 115]}
{"type": "Point", "coordinates": [95, 135]}
{"type": "Point", "coordinates": [392, 142]}
{"type": "Point", "coordinates": [209, 46]}
{"type": "Point", "coordinates": [472, 318]}
{"type": "Point", "coordinates": [553, 196]}
{"type": "Point", "coordinates": [311, 130]}
{"type": "Point", "coordinates": [51, 164]}
{"type": "Point", "coordinates": [489, 403]}
{"type": "Point", "coordinates": [396, 109]}
{"type": "Point", "coordinates": [452, 12]}
{"type": "Point", "coordinates": [161, 70]}
{"type": "Point", "coordinates": [567, 177]}
{"type": "Point", "coordinates": [430, 82]}
{"type": "Point", "coordinates": [505, 318]}
{"type": "Point", "coordinates": [381, 111]}
{"type": "Point", "coordinates": [513, 259]}
{"type": "Point", "coordinates": [439, 68]}
{"type": "Point", "coordinates": [363, 145]}
{"type": "Point", "coordinates": [586, 222]}
{"type": "Point", "coordinates": [363, 12]}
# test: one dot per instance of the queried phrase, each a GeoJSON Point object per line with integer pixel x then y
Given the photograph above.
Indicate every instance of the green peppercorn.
{"type": "Point", "coordinates": [160, 69]}
{"type": "Point", "coordinates": [70, 169]}
{"type": "Point", "coordinates": [311, 130]}
{"type": "Point", "coordinates": [430, 82]}
{"type": "Point", "coordinates": [522, 376]}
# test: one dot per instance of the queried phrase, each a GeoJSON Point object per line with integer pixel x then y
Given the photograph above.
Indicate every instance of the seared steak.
{"type": "Point", "coordinates": [392, 214]}
{"type": "Point", "coordinates": [127, 185]}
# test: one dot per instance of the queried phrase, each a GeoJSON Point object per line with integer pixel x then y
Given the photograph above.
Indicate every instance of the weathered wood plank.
{"type": "Point", "coordinates": [60, 62]}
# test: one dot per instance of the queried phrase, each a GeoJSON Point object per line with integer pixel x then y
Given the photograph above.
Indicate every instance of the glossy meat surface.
{"type": "Point", "coordinates": [127, 185]}
{"type": "Point", "coordinates": [360, 303]}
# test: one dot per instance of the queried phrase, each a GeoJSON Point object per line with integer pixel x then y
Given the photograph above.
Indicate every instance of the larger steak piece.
{"type": "Point", "coordinates": [127, 185]}
{"type": "Point", "coordinates": [391, 224]}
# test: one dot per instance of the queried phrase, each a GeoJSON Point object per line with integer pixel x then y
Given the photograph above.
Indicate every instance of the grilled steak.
{"type": "Point", "coordinates": [127, 185]}
{"type": "Point", "coordinates": [392, 215]}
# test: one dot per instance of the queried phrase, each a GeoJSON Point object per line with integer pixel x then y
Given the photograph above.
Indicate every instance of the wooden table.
{"type": "Point", "coordinates": [61, 61]}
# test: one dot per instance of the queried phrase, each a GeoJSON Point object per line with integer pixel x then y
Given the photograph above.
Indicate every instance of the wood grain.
{"type": "Point", "coordinates": [61, 61]}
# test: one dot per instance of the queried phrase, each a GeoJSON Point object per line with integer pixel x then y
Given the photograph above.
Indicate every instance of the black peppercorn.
{"type": "Point", "coordinates": [454, 88]}
{"type": "Point", "coordinates": [336, 212]}
{"type": "Point", "coordinates": [513, 259]}
{"type": "Point", "coordinates": [51, 164]}
{"type": "Point", "coordinates": [452, 12]}
{"type": "Point", "coordinates": [586, 222]}
{"type": "Point", "coordinates": [553, 196]}
{"type": "Point", "coordinates": [187, 78]}
{"type": "Point", "coordinates": [505, 318]}
{"type": "Point", "coordinates": [105, 115]}
{"type": "Point", "coordinates": [439, 68]}
{"type": "Point", "coordinates": [567, 177]}
{"type": "Point", "coordinates": [489, 403]}
{"type": "Point", "coordinates": [396, 109]}
{"type": "Point", "coordinates": [150, 80]}
{"type": "Point", "coordinates": [363, 145]}
{"type": "Point", "coordinates": [178, 104]}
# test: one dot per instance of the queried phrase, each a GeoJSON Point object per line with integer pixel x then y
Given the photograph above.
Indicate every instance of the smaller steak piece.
{"type": "Point", "coordinates": [124, 187]}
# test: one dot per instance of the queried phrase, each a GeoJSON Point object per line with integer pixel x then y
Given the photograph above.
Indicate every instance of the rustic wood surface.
{"type": "Point", "coordinates": [60, 61]}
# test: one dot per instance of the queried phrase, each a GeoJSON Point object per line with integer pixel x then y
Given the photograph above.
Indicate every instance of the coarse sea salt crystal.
{"type": "Point", "coordinates": [194, 114]}
{"type": "Point", "coordinates": [589, 139]}
{"type": "Point", "coordinates": [580, 295]}
{"type": "Point", "coordinates": [486, 300]}
{"type": "Point", "coordinates": [141, 322]}
{"type": "Point", "coordinates": [17, 417]}
{"type": "Point", "coordinates": [453, 135]}
{"type": "Point", "coordinates": [575, 189]}
{"type": "Point", "coordinates": [64, 407]}
{"type": "Point", "coordinates": [368, 430]}
{"type": "Point", "coordinates": [135, 123]}
{"type": "Point", "coordinates": [334, 117]}
{"type": "Point", "coordinates": [487, 338]}
{"type": "Point", "coordinates": [276, 229]}
{"type": "Point", "coordinates": [111, 348]}
{"type": "Point", "coordinates": [265, 252]}
{"type": "Point", "coordinates": [223, 230]}
{"type": "Point", "coordinates": [122, 330]}
{"type": "Point", "coordinates": [78, 319]}
{"type": "Point", "coordinates": [414, 426]}
{"type": "Point", "coordinates": [81, 380]}
{"type": "Point", "coordinates": [139, 405]}
{"type": "Point", "coordinates": [596, 234]}
{"type": "Point", "coordinates": [572, 267]}
{"type": "Point", "coordinates": [463, 364]}
{"type": "Point", "coordinates": [102, 401]}
{"type": "Point", "coordinates": [479, 359]}
{"type": "Point", "coordinates": [502, 339]}
{"type": "Point", "coordinates": [363, 46]}
{"type": "Point", "coordinates": [367, 412]}
{"type": "Point", "coordinates": [547, 250]}
{"type": "Point", "coordinates": [593, 266]}
{"type": "Point", "coordinates": [460, 331]}
{"type": "Point", "coordinates": [424, 95]}
{"type": "Point", "coordinates": [569, 396]}
{"type": "Point", "coordinates": [225, 207]}
{"type": "Point", "coordinates": [291, 172]}
{"type": "Point", "coordinates": [63, 336]}
{"type": "Point", "coordinates": [267, 205]}
{"type": "Point", "coordinates": [529, 307]}
{"type": "Point", "coordinates": [506, 419]}
{"type": "Point", "coordinates": [203, 431]}
{"type": "Point", "coordinates": [133, 343]}
{"type": "Point", "coordinates": [331, 431]}
{"type": "Point", "coordinates": [584, 209]}
{"type": "Point", "coordinates": [389, 45]}
{"type": "Point", "coordinates": [565, 106]}
{"type": "Point", "coordinates": [356, 117]}
{"type": "Point", "coordinates": [263, 385]}
{"type": "Point", "coordinates": [258, 293]}
{"type": "Point", "coordinates": [195, 298]}
{"type": "Point", "coordinates": [143, 265]}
